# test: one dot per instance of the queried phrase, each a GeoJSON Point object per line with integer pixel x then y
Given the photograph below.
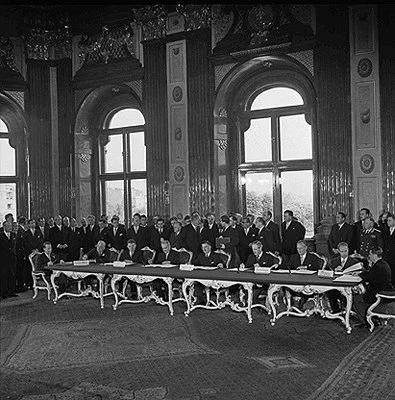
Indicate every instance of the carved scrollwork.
{"type": "Point", "coordinates": [152, 19]}
{"type": "Point", "coordinates": [365, 67]}
{"type": "Point", "coordinates": [367, 163]}
{"type": "Point", "coordinates": [6, 55]}
{"type": "Point", "coordinates": [196, 16]}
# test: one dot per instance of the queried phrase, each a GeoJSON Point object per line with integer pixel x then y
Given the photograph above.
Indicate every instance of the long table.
{"type": "Point", "coordinates": [213, 278]}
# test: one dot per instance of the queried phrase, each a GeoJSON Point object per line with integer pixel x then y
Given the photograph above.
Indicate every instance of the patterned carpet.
{"type": "Point", "coordinates": [75, 351]}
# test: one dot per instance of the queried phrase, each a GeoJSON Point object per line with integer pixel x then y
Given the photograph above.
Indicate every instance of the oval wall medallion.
{"type": "Point", "coordinates": [179, 173]}
{"type": "Point", "coordinates": [365, 67]}
{"type": "Point", "coordinates": [176, 51]}
{"type": "Point", "coordinates": [177, 94]}
{"type": "Point", "coordinates": [178, 134]}
{"type": "Point", "coordinates": [366, 164]}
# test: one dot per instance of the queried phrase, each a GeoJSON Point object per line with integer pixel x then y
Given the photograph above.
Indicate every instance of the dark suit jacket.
{"type": "Point", "coordinates": [377, 279]}
{"type": "Point", "coordinates": [192, 240]}
{"type": "Point", "coordinates": [177, 241]}
{"type": "Point", "coordinates": [136, 257]}
{"type": "Point", "coordinates": [232, 234]}
{"type": "Point", "coordinates": [265, 236]}
{"type": "Point", "coordinates": [173, 257]}
{"type": "Point", "coordinates": [369, 240]}
{"type": "Point", "coordinates": [7, 250]}
{"type": "Point", "coordinates": [211, 261]}
{"type": "Point", "coordinates": [19, 244]}
{"type": "Point", "coordinates": [155, 237]}
{"type": "Point", "coordinates": [42, 261]}
{"type": "Point", "coordinates": [209, 234]}
{"type": "Point", "coordinates": [57, 237]}
{"type": "Point", "coordinates": [244, 240]}
{"type": "Point", "coordinates": [32, 241]}
{"type": "Point", "coordinates": [88, 237]}
{"type": "Point", "coordinates": [45, 234]}
{"type": "Point", "coordinates": [98, 234]}
{"type": "Point", "coordinates": [142, 237]}
{"type": "Point", "coordinates": [345, 234]}
{"type": "Point", "coordinates": [119, 240]}
{"type": "Point", "coordinates": [291, 236]}
{"type": "Point", "coordinates": [75, 244]}
{"type": "Point", "coordinates": [265, 260]}
{"type": "Point", "coordinates": [311, 261]}
{"type": "Point", "coordinates": [275, 230]}
{"type": "Point", "coordinates": [336, 262]}
{"type": "Point", "coordinates": [389, 249]}
{"type": "Point", "coordinates": [104, 257]}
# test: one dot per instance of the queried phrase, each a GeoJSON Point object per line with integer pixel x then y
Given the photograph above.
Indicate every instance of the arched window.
{"type": "Point", "coordinates": [276, 155]}
{"type": "Point", "coordinates": [8, 174]}
{"type": "Point", "coordinates": [122, 164]}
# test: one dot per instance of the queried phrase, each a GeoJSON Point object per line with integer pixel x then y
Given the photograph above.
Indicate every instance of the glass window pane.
{"type": "Point", "coordinates": [137, 151]}
{"type": "Point", "coordinates": [114, 191]}
{"type": "Point", "coordinates": [277, 97]}
{"type": "Point", "coordinates": [259, 192]}
{"type": "Point", "coordinates": [257, 141]}
{"type": "Point", "coordinates": [297, 196]}
{"type": "Point", "coordinates": [7, 200]}
{"type": "Point", "coordinates": [7, 158]}
{"type": "Point", "coordinates": [139, 196]}
{"type": "Point", "coordinates": [127, 117]}
{"type": "Point", "coordinates": [295, 138]}
{"type": "Point", "coordinates": [3, 127]}
{"type": "Point", "coordinates": [113, 160]}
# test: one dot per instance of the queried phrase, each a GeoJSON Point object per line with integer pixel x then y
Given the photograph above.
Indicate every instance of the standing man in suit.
{"type": "Point", "coordinates": [291, 232]}
{"type": "Point", "coordinates": [192, 236]}
{"type": "Point", "coordinates": [274, 229]}
{"type": "Point", "coordinates": [138, 233]}
{"type": "Point", "coordinates": [210, 230]}
{"type": "Point", "coordinates": [177, 236]}
{"type": "Point", "coordinates": [228, 232]}
{"type": "Point", "coordinates": [264, 235]}
{"type": "Point", "coordinates": [117, 235]}
{"type": "Point", "coordinates": [21, 256]}
{"type": "Point", "coordinates": [389, 245]}
{"type": "Point", "coordinates": [102, 233]}
{"type": "Point", "coordinates": [44, 229]}
{"type": "Point", "coordinates": [247, 236]}
{"type": "Point", "coordinates": [341, 231]}
{"type": "Point", "coordinates": [74, 241]}
{"type": "Point", "coordinates": [8, 261]}
{"type": "Point", "coordinates": [59, 236]}
{"type": "Point", "coordinates": [90, 232]}
{"type": "Point", "coordinates": [377, 278]}
{"type": "Point", "coordinates": [158, 232]}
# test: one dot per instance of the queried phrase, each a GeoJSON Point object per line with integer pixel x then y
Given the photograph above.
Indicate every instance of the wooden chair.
{"type": "Point", "coordinates": [185, 258]}
{"type": "Point", "coordinates": [40, 282]}
{"type": "Point", "coordinates": [380, 309]}
{"type": "Point", "coordinates": [225, 257]}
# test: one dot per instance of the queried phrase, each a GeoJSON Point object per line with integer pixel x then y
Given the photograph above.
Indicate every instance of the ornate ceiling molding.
{"type": "Point", "coordinates": [196, 16]}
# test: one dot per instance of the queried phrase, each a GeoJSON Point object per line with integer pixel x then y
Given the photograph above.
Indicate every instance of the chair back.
{"type": "Point", "coordinates": [185, 255]}
{"type": "Point", "coordinates": [225, 257]}
{"type": "Point", "coordinates": [33, 260]}
{"type": "Point", "coordinates": [322, 257]}
{"type": "Point", "coordinates": [148, 254]}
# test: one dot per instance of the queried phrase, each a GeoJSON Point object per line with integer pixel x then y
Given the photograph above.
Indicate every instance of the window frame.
{"type": "Point", "coordinates": [276, 166]}
{"type": "Point", "coordinates": [126, 175]}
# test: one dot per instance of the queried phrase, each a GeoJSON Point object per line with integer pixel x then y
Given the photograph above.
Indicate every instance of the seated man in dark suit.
{"type": "Point", "coordinates": [339, 264]}
{"type": "Point", "coordinates": [206, 259]}
{"type": "Point", "coordinates": [131, 254]}
{"type": "Point", "coordinates": [99, 253]}
{"type": "Point", "coordinates": [48, 258]}
{"type": "Point", "coordinates": [259, 259]}
{"type": "Point", "coordinates": [166, 256]}
{"type": "Point", "coordinates": [304, 260]}
{"type": "Point", "coordinates": [376, 279]}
